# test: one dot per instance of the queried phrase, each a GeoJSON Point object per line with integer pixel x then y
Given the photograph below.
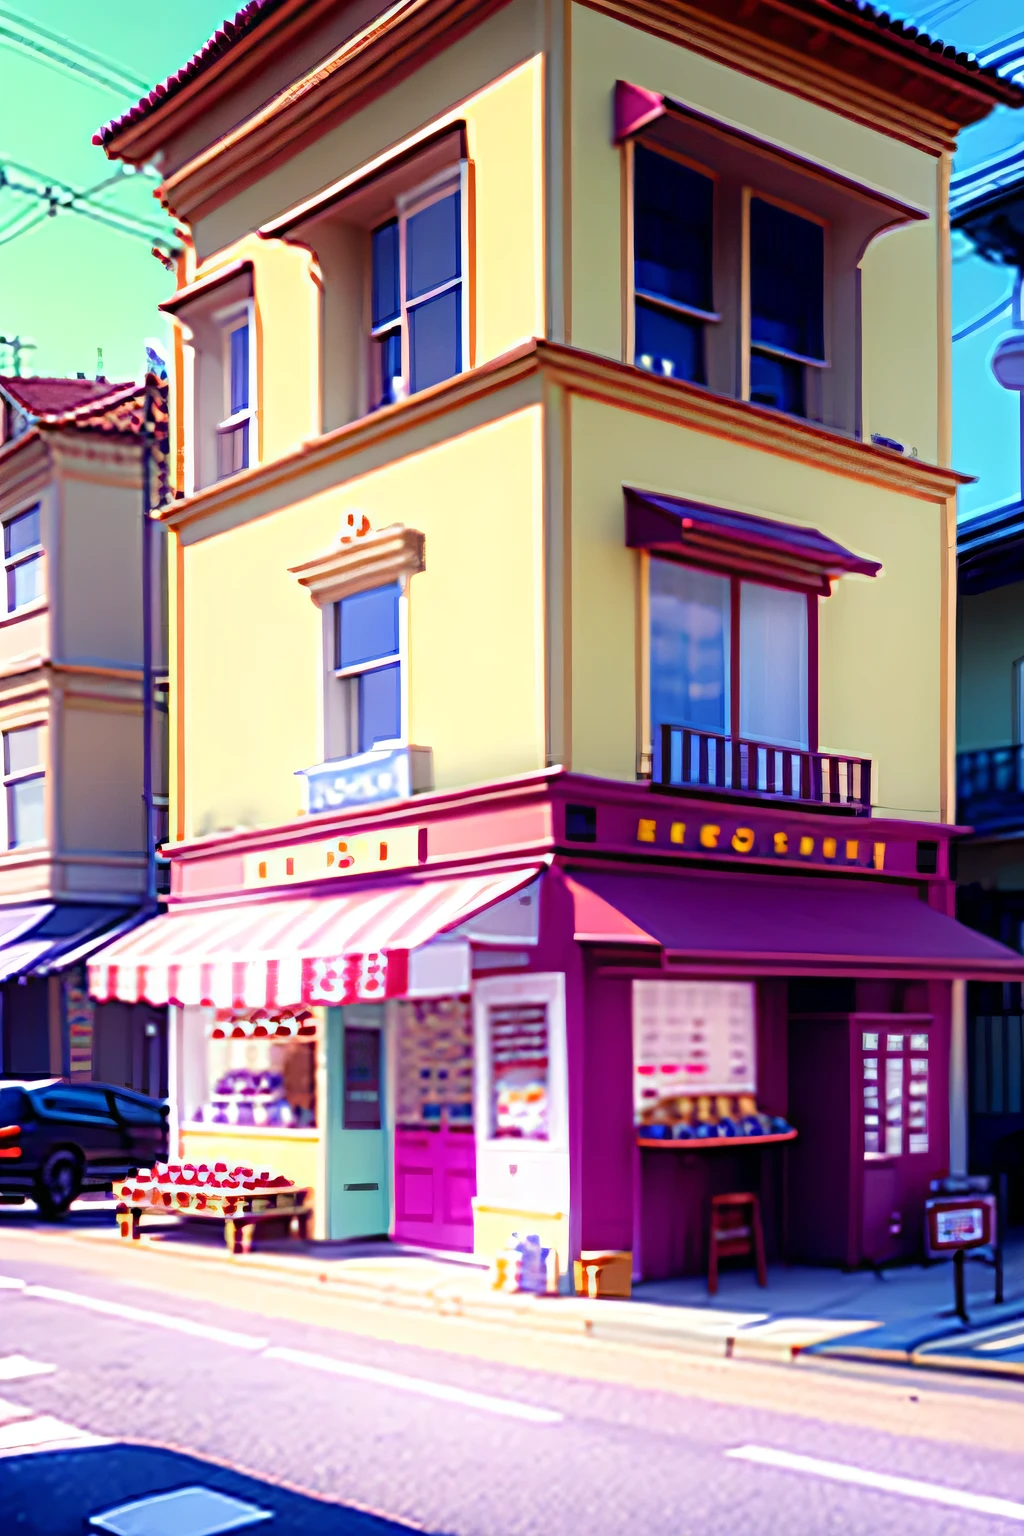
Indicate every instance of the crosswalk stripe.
{"type": "Point", "coordinates": [17, 1367]}
{"type": "Point", "coordinates": [44, 1433]}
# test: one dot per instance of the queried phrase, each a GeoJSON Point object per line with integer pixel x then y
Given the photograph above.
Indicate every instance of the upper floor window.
{"type": "Point", "coordinates": [727, 656]}
{"type": "Point", "coordinates": [24, 783]}
{"type": "Point", "coordinates": [418, 300]}
{"type": "Point", "coordinates": [672, 265]}
{"type": "Point", "coordinates": [787, 305]}
{"type": "Point", "coordinates": [23, 559]}
{"type": "Point", "coordinates": [233, 432]}
{"type": "Point", "coordinates": [368, 666]}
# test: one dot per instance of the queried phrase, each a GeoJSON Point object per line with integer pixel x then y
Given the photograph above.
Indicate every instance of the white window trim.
{"type": "Point", "coordinates": [228, 320]}
{"type": "Point", "coordinates": [37, 552]}
{"type": "Point", "coordinates": [21, 777]}
{"type": "Point", "coordinates": [342, 674]}
{"type": "Point", "coordinates": [407, 204]}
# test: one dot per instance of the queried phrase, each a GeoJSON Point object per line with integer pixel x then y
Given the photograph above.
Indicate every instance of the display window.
{"type": "Point", "coordinates": [520, 1059]}
{"type": "Point", "coordinates": [895, 1075]}
{"type": "Point", "coordinates": [255, 1069]}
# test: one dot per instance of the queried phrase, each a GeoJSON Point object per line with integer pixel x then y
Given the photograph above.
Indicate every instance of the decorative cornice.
{"type": "Point", "coordinates": [610, 383]}
{"type": "Point", "coordinates": [364, 557]}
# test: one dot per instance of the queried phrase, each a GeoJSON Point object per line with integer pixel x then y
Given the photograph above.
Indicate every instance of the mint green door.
{"type": "Point", "coordinates": [358, 1188]}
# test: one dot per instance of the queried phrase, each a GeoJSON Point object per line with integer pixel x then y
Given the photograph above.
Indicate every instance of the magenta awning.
{"type": "Point", "coordinates": [765, 925]}
{"type": "Point", "coordinates": [668, 525]}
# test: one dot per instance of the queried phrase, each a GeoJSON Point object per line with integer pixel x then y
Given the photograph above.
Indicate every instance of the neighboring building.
{"type": "Point", "coordinates": [562, 407]}
{"type": "Point", "coordinates": [73, 848]}
{"type": "Point", "coordinates": [988, 207]}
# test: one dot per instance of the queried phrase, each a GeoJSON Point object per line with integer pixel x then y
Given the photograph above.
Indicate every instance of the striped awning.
{"type": "Point", "coordinates": [306, 951]}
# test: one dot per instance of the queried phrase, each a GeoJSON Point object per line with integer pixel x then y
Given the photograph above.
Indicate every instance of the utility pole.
{"type": "Point", "coordinates": [154, 493]}
{"type": "Point", "coordinates": [17, 345]}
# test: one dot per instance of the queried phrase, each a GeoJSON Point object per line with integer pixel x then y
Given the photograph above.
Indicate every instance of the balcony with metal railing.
{"type": "Point", "coordinates": [990, 789]}
{"type": "Point", "coordinates": [760, 770]}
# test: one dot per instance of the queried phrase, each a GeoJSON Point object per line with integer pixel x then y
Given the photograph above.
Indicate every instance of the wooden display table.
{"type": "Point", "coordinates": [271, 1209]}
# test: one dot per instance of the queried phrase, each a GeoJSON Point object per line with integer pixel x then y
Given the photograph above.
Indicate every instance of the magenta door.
{"type": "Point", "coordinates": [435, 1181]}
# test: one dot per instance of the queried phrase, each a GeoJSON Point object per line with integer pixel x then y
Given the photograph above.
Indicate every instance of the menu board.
{"type": "Point", "coordinates": [518, 1034]}
{"type": "Point", "coordinates": [692, 1038]}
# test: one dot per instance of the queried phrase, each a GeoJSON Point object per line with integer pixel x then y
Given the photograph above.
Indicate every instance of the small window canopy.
{"type": "Point", "coordinates": [227, 284]}
{"type": "Point", "coordinates": [675, 124]}
{"type": "Point", "coordinates": [738, 542]}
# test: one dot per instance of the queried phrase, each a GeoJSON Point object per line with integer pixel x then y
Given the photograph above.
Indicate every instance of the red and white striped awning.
{"type": "Point", "coordinates": [311, 950]}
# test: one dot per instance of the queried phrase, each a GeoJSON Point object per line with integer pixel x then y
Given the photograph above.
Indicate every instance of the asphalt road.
{"type": "Point", "coordinates": [338, 1432]}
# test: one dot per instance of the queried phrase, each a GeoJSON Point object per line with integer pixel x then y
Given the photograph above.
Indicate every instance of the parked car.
{"type": "Point", "coordinates": [58, 1139]}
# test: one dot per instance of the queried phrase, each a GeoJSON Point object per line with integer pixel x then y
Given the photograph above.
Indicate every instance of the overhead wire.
{"type": "Point", "coordinates": [69, 57]}
{"type": "Point", "coordinates": [134, 81]}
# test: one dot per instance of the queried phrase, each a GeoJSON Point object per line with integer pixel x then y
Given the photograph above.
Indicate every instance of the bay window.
{"type": "Point", "coordinates": [23, 559]}
{"type": "Point", "coordinates": [233, 445]}
{"type": "Point", "coordinates": [368, 667]}
{"type": "Point", "coordinates": [24, 786]}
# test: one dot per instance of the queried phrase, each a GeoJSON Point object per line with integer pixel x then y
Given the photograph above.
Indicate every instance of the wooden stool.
{"type": "Point", "coordinates": [735, 1232]}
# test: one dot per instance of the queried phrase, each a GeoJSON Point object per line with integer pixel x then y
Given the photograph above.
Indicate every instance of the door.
{"type": "Point", "coordinates": [435, 1181]}
{"type": "Point", "coordinates": [82, 1117]}
{"type": "Point", "coordinates": [899, 1097]}
{"type": "Point", "coordinates": [359, 1195]}
{"type": "Point", "coordinates": [145, 1129]}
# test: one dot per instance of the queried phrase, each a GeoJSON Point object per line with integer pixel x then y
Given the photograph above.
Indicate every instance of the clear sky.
{"type": "Point", "coordinates": [70, 284]}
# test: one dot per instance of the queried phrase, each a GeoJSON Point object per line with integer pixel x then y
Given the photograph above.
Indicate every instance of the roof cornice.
{"type": "Point", "coordinates": [598, 378]}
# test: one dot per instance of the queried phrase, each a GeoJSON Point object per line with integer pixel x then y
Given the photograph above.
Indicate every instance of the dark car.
{"type": "Point", "coordinates": [58, 1139]}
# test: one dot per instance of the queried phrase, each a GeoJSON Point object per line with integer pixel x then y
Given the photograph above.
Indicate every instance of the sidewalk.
{"type": "Point", "coordinates": [903, 1317]}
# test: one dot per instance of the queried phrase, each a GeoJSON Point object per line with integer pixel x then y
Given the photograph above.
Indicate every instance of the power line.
{"type": "Point", "coordinates": [61, 61]}
{"type": "Point", "coordinates": [60, 197]}
{"type": "Point", "coordinates": [134, 81]}
{"type": "Point", "coordinates": [983, 320]}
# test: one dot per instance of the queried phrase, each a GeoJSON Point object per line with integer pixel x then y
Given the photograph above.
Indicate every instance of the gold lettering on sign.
{"type": "Point", "coordinates": [709, 835]}
{"type": "Point", "coordinates": [327, 858]}
{"type": "Point", "coordinates": [743, 839]}
{"type": "Point", "coordinates": [646, 831]}
{"type": "Point", "coordinates": [807, 846]}
{"type": "Point", "coordinates": [879, 856]}
{"type": "Point", "coordinates": [852, 848]}
{"type": "Point", "coordinates": [828, 847]}
{"type": "Point", "coordinates": [677, 832]}
{"type": "Point", "coordinates": [782, 842]}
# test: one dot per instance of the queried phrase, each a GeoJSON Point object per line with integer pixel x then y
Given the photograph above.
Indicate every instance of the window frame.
{"type": "Point", "coordinates": [736, 579]}
{"type": "Point", "coordinates": [747, 345]}
{"type": "Point", "coordinates": [631, 294]}
{"type": "Point", "coordinates": [21, 777]}
{"type": "Point", "coordinates": [406, 205]}
{"type": "Point", "coordinates": [228, 320]}
{"type": "Point", "coordinates": [37, 552]}
{"type": "Point", "coordinates": [347, 678]}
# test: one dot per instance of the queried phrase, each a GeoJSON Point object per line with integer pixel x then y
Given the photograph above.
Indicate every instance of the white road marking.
{"type": "Point", "coordinates": [504, 1407]}
{"type": "Point", "coordinates": [166, 1320]}
{"type": "Point", "coordinates": [9, 1410]}
{"type": "Point", "coordinates": [17, 1367]}
{"type": "Point", "coordinates": [885, 1482]}
{"type": "Point", "coordinates": [9, 1283]}
{"type": "Point", "coordinates": [1015, 1341]}
{"type": "Point", "coordinates": [44, 1433]}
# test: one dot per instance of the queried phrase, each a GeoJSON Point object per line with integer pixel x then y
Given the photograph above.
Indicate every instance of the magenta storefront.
{"type": "Point", "coordinates": [596, 1005]}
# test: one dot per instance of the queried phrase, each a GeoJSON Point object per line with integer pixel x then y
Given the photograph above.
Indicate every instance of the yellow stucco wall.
{"type": "Point", "coordinates": [879, 639]}
{"type": "Point", "coordinates": [253, 648]}
{"type": "Point", "coordinates": [900, 271]}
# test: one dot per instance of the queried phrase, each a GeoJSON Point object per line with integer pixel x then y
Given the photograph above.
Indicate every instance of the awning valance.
{"type": "Point", "coordinates": [309, 950]}
{"type": "Point", "coordinates": [738, 541]}
{"type": "Point", "coordinates": [771, 925]}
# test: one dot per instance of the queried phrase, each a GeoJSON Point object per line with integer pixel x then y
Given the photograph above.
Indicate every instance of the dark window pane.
{"type": "Point", "coordinates": [77, 1101]}
{"type": "Point", "coordinates": [240, 368]}
{"type": "Point", "coordinates": [787, 280]}
{"type": "Point", "coordinates": [389, 365]}
{"type": "Point", "coordinates": [233, 449]}
{"type": "Point", "coordinates": [387, 303]}
{"type": "Point", "coordinates": [669, 343]}
{"type": "Point", "coordinates": [672, 221]}
{"type": "Point", "coordinates": [368, 626]}
{"type": "Point", "coordinates": [22, 533]}
{"type": "Point", "coordinates": [433, 247]}
{"type": "Point", "coordinates": [689, 649]}
{"type": "Point", "coordinates": [24, 582]}
{"type": "Point", "coordinates": [777, 382]}
{"type": "Point", "coordinates": [134, 1112]}
{"type": "Point", "coordinates": [362, 1080]}
{"type": "Point", "coordinates": [380, 706]}
{"type": "Point", "coordinates": [435, 340]}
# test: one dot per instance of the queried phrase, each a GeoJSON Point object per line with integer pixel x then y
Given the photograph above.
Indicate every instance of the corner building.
{"type": "Point", "coordinates": [562, 619]}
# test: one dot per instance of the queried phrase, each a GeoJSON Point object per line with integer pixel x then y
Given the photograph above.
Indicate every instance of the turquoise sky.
{"type": "Point", "coordinates": [71, 284]}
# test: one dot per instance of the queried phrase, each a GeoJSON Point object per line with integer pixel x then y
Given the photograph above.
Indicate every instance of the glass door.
{"type": "Point", "coordinates": [359, 1194]}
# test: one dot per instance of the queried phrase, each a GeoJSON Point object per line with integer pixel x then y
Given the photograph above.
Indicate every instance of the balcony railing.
{"type": "Point", "coordinates": [990, 789]}
{"type": "Point", "coordinates": [693, 759]}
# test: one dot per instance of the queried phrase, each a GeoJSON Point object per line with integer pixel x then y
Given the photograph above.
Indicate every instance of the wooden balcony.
{"type": "Point", "coordinates": [761, 770]}
{"type": "Point", "coordinates": [990, 789]}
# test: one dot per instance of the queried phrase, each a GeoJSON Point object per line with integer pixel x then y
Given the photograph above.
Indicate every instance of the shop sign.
{"type": "Point", "coordinates": [361, 853]}
{"type": "Point", "coordinates": [956, 1222]}
{"type": "Point", "coordinates": [759, 839]}
{"type": "Point", "coordinates": [370, 779]}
